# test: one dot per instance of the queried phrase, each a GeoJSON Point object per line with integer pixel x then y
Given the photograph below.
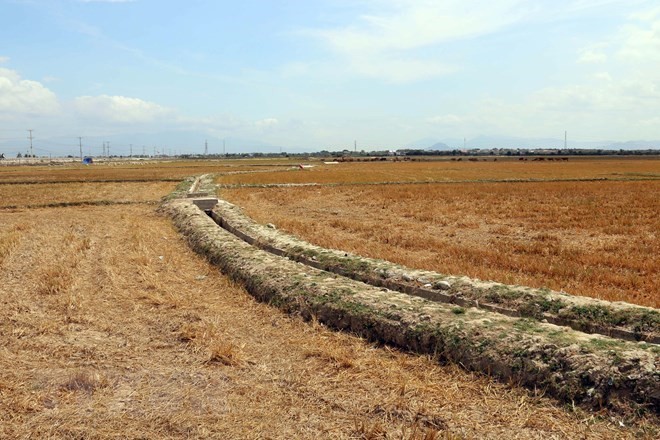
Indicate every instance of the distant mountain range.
{"type": "Point", "coordinates": [484, 142]}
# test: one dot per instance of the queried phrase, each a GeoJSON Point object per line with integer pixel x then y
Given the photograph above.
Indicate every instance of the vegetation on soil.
{"type": "Point", "coordinates": [139, 346]}
{"type": "Point", "coordinates": [513, 349]}
{"type": "Point", "coordinates": [621, 320]}
{"type": "Point", "coordinates": [450, 171]}
{"type": "Point", "coordinates": [595, 239]}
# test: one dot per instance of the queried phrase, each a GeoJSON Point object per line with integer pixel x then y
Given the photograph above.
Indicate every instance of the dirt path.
{"type": "Point", "coordinates": [112, 328]}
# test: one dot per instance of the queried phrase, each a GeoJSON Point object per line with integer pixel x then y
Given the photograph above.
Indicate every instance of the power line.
{"type": "Point", "coordinates": [30, 137]}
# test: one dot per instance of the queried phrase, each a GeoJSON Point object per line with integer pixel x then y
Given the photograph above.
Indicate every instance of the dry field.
{"type": "Point", "coordinates": [112, 328]}
{"type": "Point", "coordinates": [25, 195]}
{"type": "Point", "coordinates": [594, 238]}
{"type": "Point", "coordinates": [452, 171]}
{"type": "Point", "coordinates": [125, 171]}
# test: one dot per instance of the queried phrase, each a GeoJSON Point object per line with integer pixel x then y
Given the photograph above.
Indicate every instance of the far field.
{"type": "Point", "coordinates": [447, 170]}
{"type": "Point", "coordinates": [111, 327]}
{"type": "Point", "coordinates": [566, 230]}
{"type": "Point", "coordinates": [136, 170]}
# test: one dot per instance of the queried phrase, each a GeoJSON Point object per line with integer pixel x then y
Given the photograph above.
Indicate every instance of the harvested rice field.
{"type": "Point", "coordinates": [592, 238]}
{"type": "Point", "coordinates": [447, 170]}
{"type": "Point", "coordinates": [111, 327]}
{"type": "Point", "coordinates": [136, 170]}
{"type": "Point", "coordinates": [29, 195]}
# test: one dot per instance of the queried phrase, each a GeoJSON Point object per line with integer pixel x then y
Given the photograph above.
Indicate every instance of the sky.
{"type": "Point", "coordinates": [323, 74]}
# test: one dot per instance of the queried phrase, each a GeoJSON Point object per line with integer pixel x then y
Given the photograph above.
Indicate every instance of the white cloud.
{"type": "Point", "coordinates": [603, 76]}
{"type": "Point", "coordinates": [616, 109]}
{"type": "Point", "coordinates": [641, 38]}
{"type": "Point", "coordinates": [267, 123]}
{"type": "Point", "coordinates": [404, 40]}
{"type": "Point", "coordinates": [4, 59]}
{"type": "Point", "coordinates": [120, 109]}
{"type": "Point", "coordinates": [592, 56]}
{"type": "Point", "coordinates": [650, 122]}
{"type": "Point", "coordinates": [646, 15]}
{"type": "Point", "coordinates": [24, 97]}
{"type": "Point", "coordinates": [384, 45]}
{"type": "Point", "coordinates": [445, 120]}
{"type": "Point", "coordinates": [616, 99]}
{"type": "Point", "coordinates": [408, 24]}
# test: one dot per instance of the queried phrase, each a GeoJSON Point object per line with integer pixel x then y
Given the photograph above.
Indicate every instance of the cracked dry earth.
{"type": "Point", "coordinates": [110, 327]}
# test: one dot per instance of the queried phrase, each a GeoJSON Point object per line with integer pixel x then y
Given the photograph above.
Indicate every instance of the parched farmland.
{"type": "Point", "coordinates": [131, 171]}
{"type": "Point", "coordinates": [593, 238]}
{"type": "Point", "coordinates": [373, 172]}
{"type": "Point", "coordinates": [112, 327]}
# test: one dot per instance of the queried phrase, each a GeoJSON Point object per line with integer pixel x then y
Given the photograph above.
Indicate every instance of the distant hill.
{"type": "Point", "coordinates": [440, 146]}
{"type": "Point", "coordinates": [422, 143]}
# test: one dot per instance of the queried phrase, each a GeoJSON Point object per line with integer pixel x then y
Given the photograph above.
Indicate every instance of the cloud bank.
{"type": "Point", "coordinates": [24, 97]}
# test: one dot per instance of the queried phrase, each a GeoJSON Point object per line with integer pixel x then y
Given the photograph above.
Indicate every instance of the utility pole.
{"type": "Point", "coordinates": [30, 137]}
{"type": "Point", "coordinates": [206, 147]}
{"type": "Point", "coordinates": [131, 150]}
{"type": "Point", "coordinates": [223, 147]}
{"type": "Point", "coordinates": [103, 151]}
{"type": "Point", "coordinates": [80, 144]}
{"type": "Point", "coordinates": [355, 146]}
{"type": "Point", "coordinates": [565, 138]}
{"type": "Point", "coordinates": [144, 151]}
{"type": "Point", "coordinates": [108, 148]}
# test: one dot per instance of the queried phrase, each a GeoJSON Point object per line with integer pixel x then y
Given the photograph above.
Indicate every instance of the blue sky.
{"type": "Point", "coordinates": [321, 74]}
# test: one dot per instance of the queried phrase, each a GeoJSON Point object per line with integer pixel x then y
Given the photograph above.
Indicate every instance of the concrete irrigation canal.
{"type": "Point", "coordinates": [583, 351]}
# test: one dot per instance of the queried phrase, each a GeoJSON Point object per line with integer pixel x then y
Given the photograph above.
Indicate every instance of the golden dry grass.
{"type": "Point", "coordinates": [52, 193]}
{"type": "Point", "coordinates": [448, 171]}
{"type": "Point", "coordinates": [147, 170]}
{"type": "Point", "coordinates": [140, 338]}
{"type": "Point", "coordinates": [598, 239]}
